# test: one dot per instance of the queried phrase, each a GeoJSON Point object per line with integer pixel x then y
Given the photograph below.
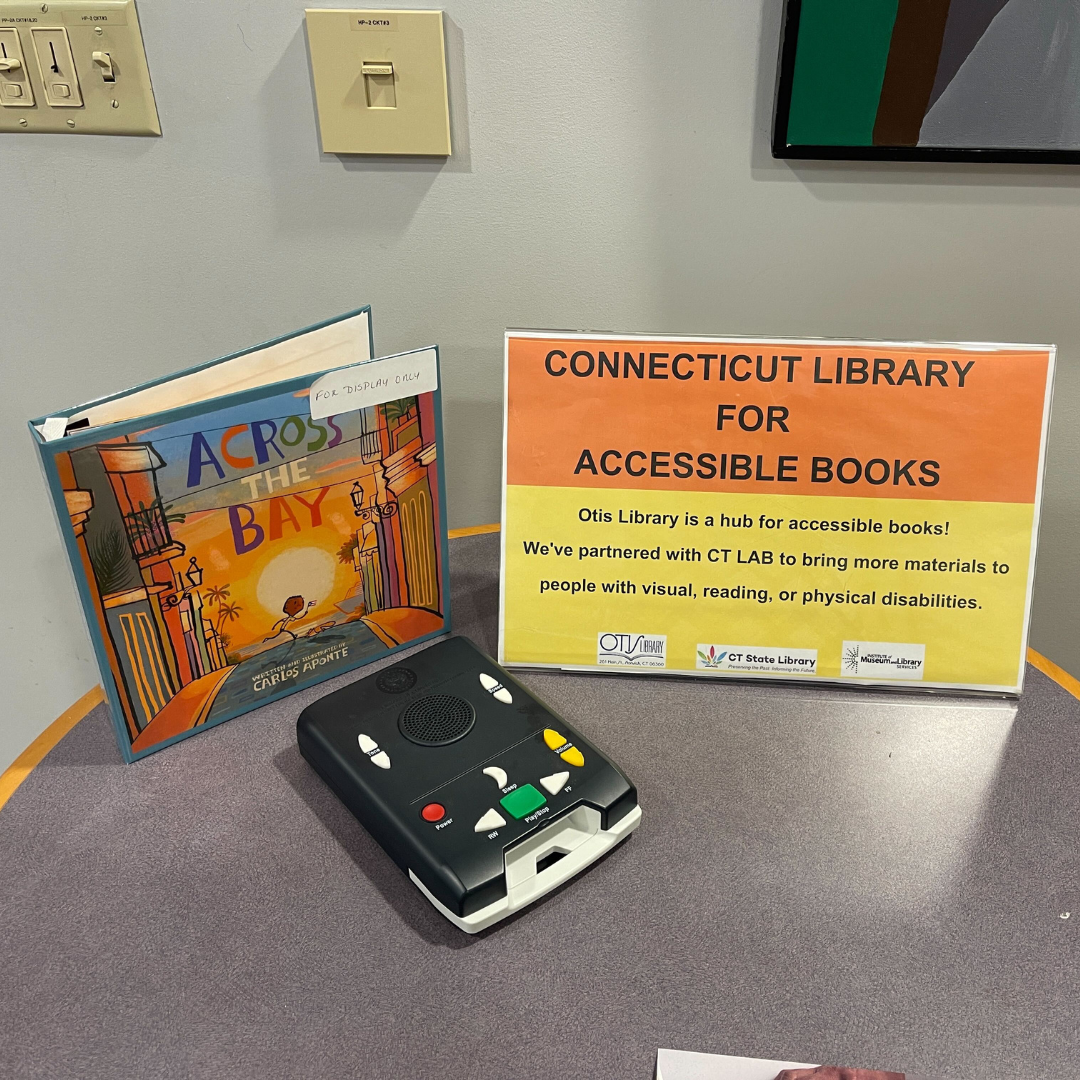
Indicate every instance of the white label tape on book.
{"type": "Point", "coordinates": [55, 427]}
{"type": "Point", "coordinates": [374, 382]}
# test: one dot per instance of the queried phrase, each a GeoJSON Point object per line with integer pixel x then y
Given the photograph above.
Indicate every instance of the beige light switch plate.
{"type": "Point", "coordinates": [380, 81]}
{"type": "Point", "coordinates": [80, 69]}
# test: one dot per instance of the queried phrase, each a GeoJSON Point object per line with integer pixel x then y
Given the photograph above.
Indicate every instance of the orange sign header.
{"type": "Point", "coordinates": [778, 417]}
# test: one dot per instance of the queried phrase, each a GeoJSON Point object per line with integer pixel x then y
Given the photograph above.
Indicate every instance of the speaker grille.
{"type": "Point", "coordinates": [437, 720]}
{"type": "Point", "coordinates": [396, 680]}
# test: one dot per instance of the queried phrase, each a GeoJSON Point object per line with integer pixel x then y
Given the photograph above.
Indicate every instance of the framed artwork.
{"type": "Point", "coordinates": [946, 80]}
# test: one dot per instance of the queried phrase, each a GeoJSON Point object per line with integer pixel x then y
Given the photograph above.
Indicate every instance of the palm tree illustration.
{"type": "Point", "coordinates": [217, 594]}
{"type": "Point", "coordinates": [226, 613]}
{"type": "Point", "coordinates": [345, 552]}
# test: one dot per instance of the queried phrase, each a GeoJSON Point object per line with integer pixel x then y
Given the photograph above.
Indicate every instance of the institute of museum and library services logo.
{"type": "Point", "coordinates": [882, 660]}
{"type": "Point", "coordinates": [631, 650]}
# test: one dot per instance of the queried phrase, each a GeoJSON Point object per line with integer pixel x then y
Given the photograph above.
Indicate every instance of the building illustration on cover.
{"type": "Point", "coordinates": [250, 551]}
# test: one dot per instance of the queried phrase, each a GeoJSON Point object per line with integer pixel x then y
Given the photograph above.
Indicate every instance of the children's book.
{"type": "Point", "coordinates": [253, 526]}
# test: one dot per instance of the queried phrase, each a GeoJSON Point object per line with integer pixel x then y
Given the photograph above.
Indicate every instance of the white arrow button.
{"type": "Point", "coordinates": [496, 689]}
{"type": "Point", "coordinates": [554, 783]}
{"type": "Point", "coordinates": [491, 820]}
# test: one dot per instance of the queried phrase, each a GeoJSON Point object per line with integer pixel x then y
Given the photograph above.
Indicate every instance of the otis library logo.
{"type": "Point", "coordinates": [634, 650]}
{"type": "Point", "coordinates": [882, 660]}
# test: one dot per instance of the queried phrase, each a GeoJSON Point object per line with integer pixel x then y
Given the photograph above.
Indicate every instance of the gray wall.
{"type": "Point", "coordinates": [611, 171]}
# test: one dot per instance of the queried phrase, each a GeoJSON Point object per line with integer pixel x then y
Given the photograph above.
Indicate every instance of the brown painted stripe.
{"type": "Point", "coordinates": [909, 74]}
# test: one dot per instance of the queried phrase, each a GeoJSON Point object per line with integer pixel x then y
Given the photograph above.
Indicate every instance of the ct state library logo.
{"type": "Point", "coordinates": [758, 659]}
{"type": "Point", "coordinates": [631, 650]}
{"type": "Point", "coordinates": [712, 659]}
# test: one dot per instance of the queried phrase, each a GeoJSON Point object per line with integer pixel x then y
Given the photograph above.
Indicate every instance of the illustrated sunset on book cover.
{"type": "Point", "coordinates": [249, 551]}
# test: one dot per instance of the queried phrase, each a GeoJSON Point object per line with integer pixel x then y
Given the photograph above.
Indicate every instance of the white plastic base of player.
{"type": "Point", "coordinates": [577, 837]}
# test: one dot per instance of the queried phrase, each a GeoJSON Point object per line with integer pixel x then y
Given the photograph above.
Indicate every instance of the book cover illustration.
{"type": "Point", "coordinates": [245, 552]}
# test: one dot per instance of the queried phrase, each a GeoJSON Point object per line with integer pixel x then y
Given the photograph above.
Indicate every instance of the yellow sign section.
{"type": "Point", "coordinates": [779, 573]}
{"type": "Point", "coordinates": [849, 512]}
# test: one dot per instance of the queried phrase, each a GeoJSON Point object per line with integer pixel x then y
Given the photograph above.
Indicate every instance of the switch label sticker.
{"type": "Point", "coordinates": [112, 16]}
{"type": "Point", "coordinates": [385, 22]}
{"type": "Point", "coordinates": [851, 510]}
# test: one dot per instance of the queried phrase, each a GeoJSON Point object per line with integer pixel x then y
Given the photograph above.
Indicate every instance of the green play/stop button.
{"type": "Point", "coordinates": [523, 800]}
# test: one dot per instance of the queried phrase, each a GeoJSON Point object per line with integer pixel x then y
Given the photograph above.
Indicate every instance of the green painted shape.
{"type": "Point", "coordinates": [840, 60]}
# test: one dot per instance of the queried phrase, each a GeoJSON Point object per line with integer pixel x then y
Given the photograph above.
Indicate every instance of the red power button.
{"type": "Point", "coordinates": [433, 812]}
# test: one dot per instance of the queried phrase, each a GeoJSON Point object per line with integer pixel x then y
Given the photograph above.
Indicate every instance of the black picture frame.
{"type": "Point", "coordinates": [781, 149]}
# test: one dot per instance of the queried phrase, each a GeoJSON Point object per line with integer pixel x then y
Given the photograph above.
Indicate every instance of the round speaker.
{"type": "Point", "coordinates": [437, 720]}
{"type": "Point", "coordinates": [396, 680]}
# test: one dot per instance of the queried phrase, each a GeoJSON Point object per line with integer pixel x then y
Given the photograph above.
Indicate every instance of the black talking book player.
{"type": "Point", "coordinates": [480, 793]}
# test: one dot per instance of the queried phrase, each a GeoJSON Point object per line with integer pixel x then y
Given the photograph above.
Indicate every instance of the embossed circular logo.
{"type": "Point", "coordinates": [396, 680]}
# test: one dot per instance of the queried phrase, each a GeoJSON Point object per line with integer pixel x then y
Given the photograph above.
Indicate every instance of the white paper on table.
{"type": "Point", "coordinates": [686, 1065]}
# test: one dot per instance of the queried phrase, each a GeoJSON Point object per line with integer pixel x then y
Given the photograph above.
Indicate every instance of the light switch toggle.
{"type": "Point", "coordinates": [53, 49]}
{"type": "Point", "coordinates": [104, 62]}
{"type": "Point", "coordinates": [379, 86]}
{"type": "Point", "coordinates": [15, 89]}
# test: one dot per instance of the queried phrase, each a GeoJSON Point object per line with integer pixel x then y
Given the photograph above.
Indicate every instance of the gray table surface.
{"type": "Point", "coordinates": [819, 875]}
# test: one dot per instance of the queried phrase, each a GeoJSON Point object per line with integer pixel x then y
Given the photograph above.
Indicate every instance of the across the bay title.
{"type": "Point", "coordinates": [718, 368]}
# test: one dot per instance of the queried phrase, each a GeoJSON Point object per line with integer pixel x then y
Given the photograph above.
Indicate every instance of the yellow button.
{"type": "Point", "coordinates": [553, 739]}
{"type": "Point", "coordinates": [573, 756]}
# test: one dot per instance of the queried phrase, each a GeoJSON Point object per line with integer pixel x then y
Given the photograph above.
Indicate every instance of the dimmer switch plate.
{"type": "Point", "coordinates": [380, 81]}
{"type": "Point", "coordinates": [80, 69]}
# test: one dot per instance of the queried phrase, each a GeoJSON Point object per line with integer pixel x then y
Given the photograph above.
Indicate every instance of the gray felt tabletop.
{"type": "Point", "coordinates": [819, 876]}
